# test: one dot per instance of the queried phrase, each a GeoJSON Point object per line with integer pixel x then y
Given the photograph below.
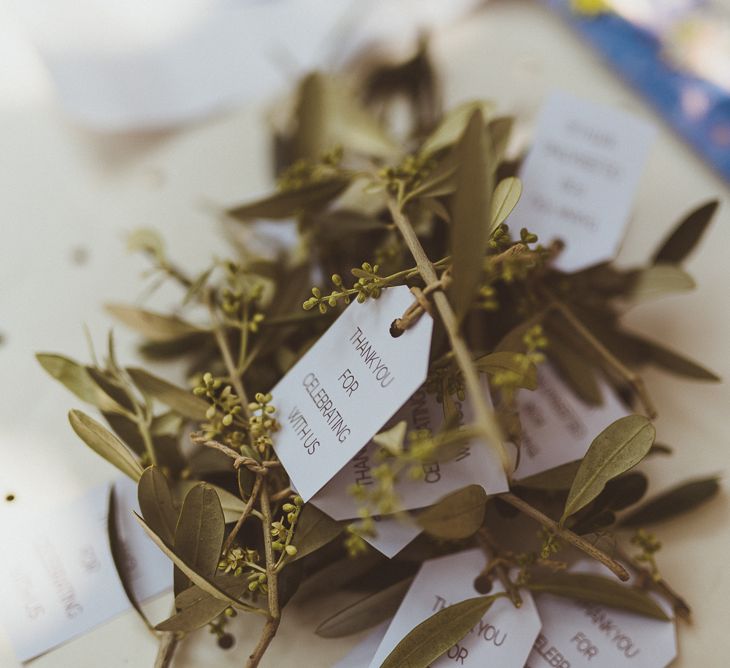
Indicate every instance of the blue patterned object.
{"type": "Point", "coordinates": [698, 110]}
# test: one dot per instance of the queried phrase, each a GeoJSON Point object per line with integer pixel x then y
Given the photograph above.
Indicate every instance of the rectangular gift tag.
{"type": "Point", "coordinates": [58, 580]}
{"type": "Point", "coordinates": [580, 177]}
{"type": "Point", "coordinates": [346, 387]}
{"type": "Point", "coordinates": [577, 634]}
{"type": "Point", "coordinates": [557, 426]}
{"type": "Point", "coordinates": [504, 636]}
{"type": "Point", "coordinates": [476, 464]}
{"type": "Point", "coordinates": [392, 534]}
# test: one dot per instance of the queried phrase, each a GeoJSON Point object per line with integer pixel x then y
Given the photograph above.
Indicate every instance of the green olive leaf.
{"type": "Point", "coordinates": [500, 129]}
{"type": "Point", "coordinates": [292, 202]}
{"type": "Point", "coordinates": [314, 529]}
{"type": "Point", "coordinates": [452, 127]}
{"type": "Point", "coordinates": [180, 400]}
{"type": "Point", "coordinates": [365, 613]}
{"type": "Point", "coordinates": [157, 504]}
{"type": "Point", "coordinates": [674, 502]}
{"type": "Point", "coordinates": [199, 533]}
{"type": "Point", "coordinates": [685, 236]}
{"type": "Point", "coordinates": [505, 198]}
{"type": "Point", "coordinates": [104, 443]}
{"type": "Point", "coordinates": [577, 372]}
{"type": "Point", "coordinates": [673, 361]}
{"type": "Point", "coordinates": [434, 636]}
{"type": "Point", "coordinates": [457, 515]}
{"type": "Point", "coordinates": [598, 589]}
{"type": "Point", "coordinates": [501, 361]}
{"type": "Point", "coordinates": [206, 584]}
{"type": "Point", "coordinates": [153, 326]}
{"type": "Point", "coordinates": [76, 378]}
{"type": "Point", "coordinates": [120, 556]}
{"type": "Point", "coordinates": [618, 448]}
{"type": "Point", "coordinates": [659, 280]}
{"type": "Point", "coordinates": [231, 504]}
{"type": "Point", "coordinates": [470, 213]}
{"type": "Point", "coordinates": [555, 479]}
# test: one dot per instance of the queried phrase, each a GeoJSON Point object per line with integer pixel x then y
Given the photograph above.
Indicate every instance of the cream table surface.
{"type": "Point", "coordinates": [67, 197]}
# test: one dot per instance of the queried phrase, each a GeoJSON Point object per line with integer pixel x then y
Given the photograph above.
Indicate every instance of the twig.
{"type": "Point", "coordinates": [566, 534]}
{"type": "Point", "coordinates": [166, 650]}
{"type": "Point", "coordinates": [617, 365]}
{"type": "Point", "coordinates": [493, 551]}
{"type": "Point", "coordinates": [244, 514]}
{"type": "Point", "coordinates": [485, 419]}
{"type": "Point", "coordinates": [274, 617]}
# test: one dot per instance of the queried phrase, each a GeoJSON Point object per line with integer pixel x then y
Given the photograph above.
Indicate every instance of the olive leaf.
{"type": "Point", "coordinates": [199, 533]}
{"type": "Point", "coordinates": [288, 203]}
{"type": "Point", "coordinates": [157, 504]}
{"type": "Point", "coordinates": [76, 378]}
{"type": "Point", "coordinates": [555, 479]}
{"type": "Point", "coordinates": [673, 361]}
{"type": "Point", "coordinates": [675, 501]}
{"type": "Point", "coordinates": [314, 529]}
{"type": "Point", "coordinates": [365, 613]}
{"type": "Point", "coordinates": [180, 400]}
{"type": "Point", "coordinates": [685, 236]}
{"type": "Point", "coordinates": [598, 589]}
{"type": "Point", "coordinates": [434, 636]}
{"type": "Point", "coordinates": [502, 360]}
{"type": "Point", "coordinates": [505, 198]}
{"type": "Point", "coordinates": [575, 370]}
{"type": "Point", "coordinates": [618, 448]}
{"type": "Point", "coordinates": [153, 326]}
{"type": "Point", "coordinates": [453, 125]}
{"type": "Point", "coordinates": [659, 280]}
{"type": "Point", "coordinates": [500, 129]}
{"type": "Point", "coordinates": [197, 607]}
{"type": "Point", "coordinates": [470, 213]}
{"type": "Point", "coordinates": [457, 515]}
{"type": "Point", "coordinates": [231, 504]}
{"type": "Point", "coordinates": [120, 556]}
{"type": "Point", "coordinates": [104, 443]}
{"type": "Point", "coordinates": [205, 583]}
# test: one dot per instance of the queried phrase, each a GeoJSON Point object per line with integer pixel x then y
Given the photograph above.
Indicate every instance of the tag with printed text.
{"type": "Point", "coordinates": [557, 426]}
{"type": "Point", "coordinates": [503, 637]}
{"type": "Point", "coordinates": [475, 464]}
{"type": "Point", "coordinates": [578, 634]}
{"type": "Point", "coordinates": [392, 534]}
{"type": "Point", "coordinates": [347, 386]}
{"type": "Point", "coordinates": [580, 177]}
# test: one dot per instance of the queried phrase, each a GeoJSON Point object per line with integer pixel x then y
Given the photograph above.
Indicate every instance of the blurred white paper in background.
{"type": "Point", "coordinates": [146, 65]}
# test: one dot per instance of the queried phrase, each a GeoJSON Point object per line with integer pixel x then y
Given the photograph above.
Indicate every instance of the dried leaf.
{"type": "Point", "coordinates": [180, 400]}
{"type": "Point", "coordinates": [676, 501]}
{"type": "Point", "coordinates": [314, 529]}
{"type": "Point", "coordinates": [458, 515]}
{"type": "Point", "coordinates": [76, 378]}
{"type": "Point", "coordinates": [659, 280]}
{"type": "Point", "coordinates": [598, 589]}
{"type": "Point", "coordinates": [199, 533]}
{"type": "Point", "coordinates": [120, 557]}
{"type": "Point", "coordinates": [434, 636]}
{"type": "Point", "coordinates": [104, 443]}
{"type": "Point", "coordinates": [157, 504]}
{"type": "Point", "coordinates": [365, 613]}
{"type": "Point", "coordinates": [470, 214]}
{"type": "Point", "coordinates": [505, 198]}
{"type": "Point", "coordinates": [618, 448]}
{"type": "Point", "coordinates": [206, 584]}
{"type": "Point", "coordinates": [153, 326]}
{"type": "Point", "coordinates": [685, 236]}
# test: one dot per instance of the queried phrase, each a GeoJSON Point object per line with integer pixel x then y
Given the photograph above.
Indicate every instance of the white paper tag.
{"type": "Point", "coordinates": [557, 427]}
{"type": "Point", "coordinates": [59, 581]}
{"type": "Point", "coordinates": [476, 464]}
{"type": "Point", "coordinates": [346, 387]}
{"type": "Point", "coordinates": [580, 177]}
{"type": "Point", "coordinates": [577, 634]}
{"type": "Point", "coordinates": [502, 638]}
{"type": "Point", "coordinates": [361, 655]}
{"type": "Point", "coordinates": [392, 534]}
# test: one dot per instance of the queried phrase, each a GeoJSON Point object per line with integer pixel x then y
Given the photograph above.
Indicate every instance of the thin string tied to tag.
{"type": "Point", "coordinates": [420, 305]}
